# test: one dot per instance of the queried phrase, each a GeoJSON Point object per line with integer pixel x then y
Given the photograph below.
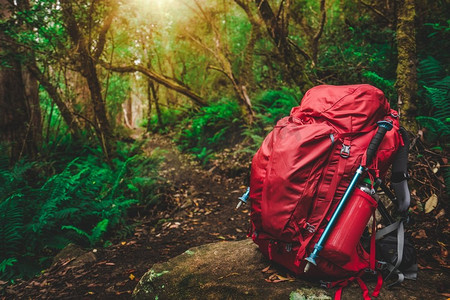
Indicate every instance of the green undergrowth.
{"type": "Point", "coordinates": [209, 129]}
{"type": "Point", "coordinates": [270, 106]}
{"type": "Point", "coordinates": [69, 198]}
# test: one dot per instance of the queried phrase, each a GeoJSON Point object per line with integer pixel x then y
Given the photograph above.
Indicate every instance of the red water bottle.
{"type": "Point", "coordinates": [350, 226]}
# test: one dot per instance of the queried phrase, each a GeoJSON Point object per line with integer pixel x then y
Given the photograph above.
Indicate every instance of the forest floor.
{"type": "Point", "coordinates": [200, 209]}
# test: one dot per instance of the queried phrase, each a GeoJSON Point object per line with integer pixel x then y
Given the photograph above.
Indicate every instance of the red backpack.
{"type": "Point", "coordinates": [302, 170]}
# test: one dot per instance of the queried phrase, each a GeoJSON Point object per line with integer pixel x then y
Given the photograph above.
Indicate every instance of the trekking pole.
{"type": "Point", "coordinates": [243, 199]}
{"type": "Point", "coordinates": [383, 127]}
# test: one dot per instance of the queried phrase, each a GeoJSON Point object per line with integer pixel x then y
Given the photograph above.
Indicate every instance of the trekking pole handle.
{"type": "Point", "coordinates": [383, 127]}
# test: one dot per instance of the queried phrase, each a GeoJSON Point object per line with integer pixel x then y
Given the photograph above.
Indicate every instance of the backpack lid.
{"type": "Point", "coordinates": [349, 108]}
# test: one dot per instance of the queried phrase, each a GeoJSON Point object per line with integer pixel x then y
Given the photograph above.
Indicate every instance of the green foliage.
{"type": "Point", "coordinates": [270, 107]}
{"type": "Point", "coordinates": [387, 86]}
{"type": "Point", "coordinates": [169, 119]}
{"type": "Point", "coordinates": [435, 92]}
{"type": "Point", "coordinates": [85, 201]}
{"type": "Point", "coordinates": [350, 50]}
{"type": "Point", "coordinates": [429, 71]}
{"type": "Point", "coordinates": [97, 232]}
{"type": "Point", "coordinates": [273, 105]}
{"type": "Point", "coordinates": [436, 130]}
{"type": "Point", "coordinates": [209, 128]}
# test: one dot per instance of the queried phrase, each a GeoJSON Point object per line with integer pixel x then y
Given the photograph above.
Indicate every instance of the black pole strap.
{"type": "Point", "coordinates": [399, 176]}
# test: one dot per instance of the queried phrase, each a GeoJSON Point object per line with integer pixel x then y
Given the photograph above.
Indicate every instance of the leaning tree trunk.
{"type": "Point", "coordinates": [88, 69]}
{"type": "Point", "coordinates": [406, 68]}
{"type": "Point", "coordinates": [52, 91]}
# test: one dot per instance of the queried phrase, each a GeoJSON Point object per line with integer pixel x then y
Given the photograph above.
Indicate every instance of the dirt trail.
{"type": "Point", "coordinates": [201, 210]}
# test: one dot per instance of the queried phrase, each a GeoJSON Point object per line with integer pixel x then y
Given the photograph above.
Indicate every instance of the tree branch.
{"type": "Point", "coordinates": [165, 81]}
{"type": "Point", "coordinates": [102, 35]}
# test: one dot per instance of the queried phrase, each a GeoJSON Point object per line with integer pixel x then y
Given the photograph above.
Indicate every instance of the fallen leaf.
{"type": "Point", "coordinates": [431, 203]}
{"type": "Point", "coordinates": [275, 278]}
{"type": "Point", "coordinates": [231, 274]}
{"type": "Point", "coordinates": [132, 277]}
{"type": "Point", "coordinates": [444, 251]}
{"type": "Point", "coordinates": [441, 261]}
{"type": "Point", "coordinates": [440, 214]}
{"type": "Point", "coordinates": [436, 168]}
{"type": "Point", "coordinates": [420, 234]}
{"type": "Point", "coordinates": [265, 269]}
{"type": "Point", "coordinates": [421, 267]}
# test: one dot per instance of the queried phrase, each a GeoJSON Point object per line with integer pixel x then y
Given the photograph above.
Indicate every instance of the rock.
{"type": "Point", "coordinates": [232, 270]}
{"type": "Point", "coordinates": [76, 255]}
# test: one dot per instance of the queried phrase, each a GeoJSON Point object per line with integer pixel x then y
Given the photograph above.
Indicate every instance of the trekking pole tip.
{"type": "Point", "coordinates": [308, 265]}
{"type": "Point", "coordinates": [243, 198]}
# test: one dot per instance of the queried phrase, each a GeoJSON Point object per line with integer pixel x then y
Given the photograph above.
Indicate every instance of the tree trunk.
{"type": "Point", "coordinates": [20, 115]}
{"type": "Point", "coordinates": [87, 62]}
{"type": "Point", "coordinates": [278, 31]}
{"type": "Point", "coordinates": [154, 96]}
{"type": "Point", "coordinates": [255, 35]}
{"type": "Point", "coordinates": [53, 93]}
{"type": "Point", "coordinates": [406, 68]}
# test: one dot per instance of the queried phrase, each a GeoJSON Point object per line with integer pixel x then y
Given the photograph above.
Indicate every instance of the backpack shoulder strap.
{"type": "Point", "coordinates": [400, 174]}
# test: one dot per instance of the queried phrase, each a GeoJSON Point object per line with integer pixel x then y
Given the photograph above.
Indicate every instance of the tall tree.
{"type": "Point", "coordinates": [220, 50]}
{"type": "Point", "coordinates": [292, 56]}
{"type": "Point", "coordinates": [87, 57]}
{"type": "Point", "coordinates": [20, 114]}
{"type": "Point", "coordinates": [406, 69]}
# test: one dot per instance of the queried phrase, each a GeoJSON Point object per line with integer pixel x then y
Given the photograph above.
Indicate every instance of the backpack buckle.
{"type": "Point", "coordinates": [288, 247]}
{"type": "Point", "coordinates": [326, 284]}
{"type": "Point", "coordinates": [310, 228]}
{"type": "Point", "coordinates": [370, 271]}
{"type": "Point", "coordinates": [345, 151]}
{"type": "Point", "coordinates": [381, 265]}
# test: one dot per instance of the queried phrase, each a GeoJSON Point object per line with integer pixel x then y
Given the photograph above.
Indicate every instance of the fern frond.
{"type": "Point", "coordinates": [11, 226]}
{"type": "Point", "coordinates": [125, 231]}
{"type": "Point", "coordinates": [440, 101]}
{"type": "Point", "coordinates": [98, 231]}
{"type": "Point", "coordinates": [77, 230]}
{"type": "Point", "coordinates": [6, 266]}
{"type": "Point", "coordinates": [436, 129]}
{"type": "Point", "coordinates": [430, 71]}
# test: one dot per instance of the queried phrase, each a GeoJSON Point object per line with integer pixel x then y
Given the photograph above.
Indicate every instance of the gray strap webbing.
{"type": "Point", "coordinates": [411, 272]}
{"type": "Point", "coordinates": [386, 230]}
{"type": "Point", "coordinates": [400, 245]}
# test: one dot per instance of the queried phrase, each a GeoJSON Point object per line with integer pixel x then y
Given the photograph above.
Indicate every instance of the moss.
{"type": "Point", "coordinates": [308, 294]}
{"type": "Point", "coordinates": [406, 68]}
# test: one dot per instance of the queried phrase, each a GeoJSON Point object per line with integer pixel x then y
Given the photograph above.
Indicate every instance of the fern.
{"type": "Point", "coordinates": [273, 105]}
{"type": "Point", "coordinates": [436, 94]}
{"type": "Point", "coordinates": [430, 71]}
{"type": "Point", "coordinates": [11, 223]}
{"type": "Point", "coordinates": [439, 94]}
{"type": "Point", "coordinates": [96, 234]}
{"type": "Point", "coordinates": [5, 268]}
{"type": "Point", "coordinates": [82, 201]}
{"type": "Point", "coordinates": [207, 130]}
